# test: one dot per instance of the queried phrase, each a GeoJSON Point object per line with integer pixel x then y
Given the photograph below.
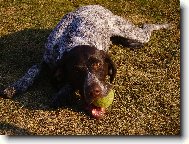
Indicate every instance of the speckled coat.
{"type": "Point", "coordinates": [91, 25]}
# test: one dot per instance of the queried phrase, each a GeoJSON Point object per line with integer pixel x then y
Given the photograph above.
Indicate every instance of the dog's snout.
{"type": "Point", "coordinates": [94, 88]}
{"type": "Point", "coordinates": [96, 91]}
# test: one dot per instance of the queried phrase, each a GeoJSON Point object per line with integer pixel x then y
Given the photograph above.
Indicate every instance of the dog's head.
{"type": "Point", "coordinates": [88, 69]}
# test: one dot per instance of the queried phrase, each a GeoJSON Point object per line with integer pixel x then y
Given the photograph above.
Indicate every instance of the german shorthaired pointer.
{"type": "Point", "coordinates": [76, 53]}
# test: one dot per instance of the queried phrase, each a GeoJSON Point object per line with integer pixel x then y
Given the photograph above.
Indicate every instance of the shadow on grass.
{"type": "Point", "coordinates": [19, 51]}
{"type": "Point", "coordinates": [22, 49]}
{"type": "Point", "coordinates": [10, 130]}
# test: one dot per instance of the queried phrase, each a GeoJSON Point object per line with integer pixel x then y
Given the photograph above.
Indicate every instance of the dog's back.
{"type": "Point", "coordinates": [88, 25]}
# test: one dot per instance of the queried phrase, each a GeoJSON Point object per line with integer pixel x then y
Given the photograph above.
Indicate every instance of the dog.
{"type": "Point", "coordinates": [76, 54]}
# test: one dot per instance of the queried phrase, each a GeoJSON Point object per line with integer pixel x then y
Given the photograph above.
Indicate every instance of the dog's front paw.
{"type": "Point", "coordinates": [56, 102]}
{"type": "Point", "coordinates": [9, 92]}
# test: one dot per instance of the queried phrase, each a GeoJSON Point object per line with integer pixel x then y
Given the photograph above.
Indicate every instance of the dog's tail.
{"type": "Point", "coordinates": [23, 83]}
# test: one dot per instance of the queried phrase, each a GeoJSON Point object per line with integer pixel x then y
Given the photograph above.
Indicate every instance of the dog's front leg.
{"type": "Point", "coordinates": [63, 96]}
{"type": "Point", "coordinates": [23, 83]}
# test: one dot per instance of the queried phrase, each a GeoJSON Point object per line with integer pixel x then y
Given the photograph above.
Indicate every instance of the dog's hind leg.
{"type": "Point", "coordinates": [23, 83]}
{"type": "Point", "coordinates": [123, 28]}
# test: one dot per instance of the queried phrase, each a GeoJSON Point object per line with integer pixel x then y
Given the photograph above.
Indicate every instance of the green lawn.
{"type": "Point", "coordinates": [147, 85]}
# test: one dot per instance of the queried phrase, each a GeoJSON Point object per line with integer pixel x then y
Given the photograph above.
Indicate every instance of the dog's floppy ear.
{"type": "Point", "coordinates": [59, 70]}
{"type": "Point", "coordinates": [111, 68]}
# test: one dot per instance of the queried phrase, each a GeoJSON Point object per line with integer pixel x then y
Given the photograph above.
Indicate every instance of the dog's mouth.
{"type": "Point", "coordinates": [96, 112]}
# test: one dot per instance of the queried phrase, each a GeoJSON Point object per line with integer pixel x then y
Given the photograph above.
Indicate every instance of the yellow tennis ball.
{"type": "Point", "coordinates": [105, 101]}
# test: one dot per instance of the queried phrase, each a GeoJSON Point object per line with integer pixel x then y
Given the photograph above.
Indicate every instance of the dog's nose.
{"type": "Point", "coordinates": [96, 91]}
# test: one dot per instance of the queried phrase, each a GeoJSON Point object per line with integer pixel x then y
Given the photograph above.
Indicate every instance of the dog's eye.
{"type": "Point", "coordinates": [94, 63]}
{"type": "Point", "coordinates": [96, 66]}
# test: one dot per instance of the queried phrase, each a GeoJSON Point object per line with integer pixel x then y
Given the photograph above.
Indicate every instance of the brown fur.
{"type": "Point", "coordinates": [73, 68]}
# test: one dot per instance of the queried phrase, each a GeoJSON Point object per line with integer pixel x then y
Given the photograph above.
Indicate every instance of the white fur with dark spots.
{"type": "Point", "coordinates": [91, 25]}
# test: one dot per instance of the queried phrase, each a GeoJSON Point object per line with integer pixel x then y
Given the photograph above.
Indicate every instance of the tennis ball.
{"type": "Point", "coordinates": [105, 101]}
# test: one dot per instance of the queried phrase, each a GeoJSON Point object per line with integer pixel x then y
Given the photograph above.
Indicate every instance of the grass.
{"type": "Point", "coordinates": [147, 85]}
